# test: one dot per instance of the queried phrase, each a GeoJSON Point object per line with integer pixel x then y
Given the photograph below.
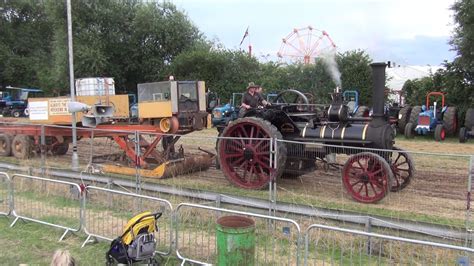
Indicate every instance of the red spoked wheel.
{"type": "Point", "coordinates": [367, 177]}
{"type": "Point", "coordinates": [403, 169]}
{"type": "Point", "coordinates": [244, 152]}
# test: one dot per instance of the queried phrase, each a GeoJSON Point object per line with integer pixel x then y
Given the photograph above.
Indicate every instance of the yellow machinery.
{"type": "Point", "coordinates": [173, 107]}
{"type": "Point", "coordinates": [55, 110]}
{"type": "Point", "coordinates": [176, 106]}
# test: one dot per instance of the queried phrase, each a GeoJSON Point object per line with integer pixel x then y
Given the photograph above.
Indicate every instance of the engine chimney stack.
{"type": "Point", "coordinates": [378, 77]}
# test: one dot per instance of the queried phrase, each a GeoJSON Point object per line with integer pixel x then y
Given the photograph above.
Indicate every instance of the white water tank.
{"type": "Point", "coordinates": [95, 86]}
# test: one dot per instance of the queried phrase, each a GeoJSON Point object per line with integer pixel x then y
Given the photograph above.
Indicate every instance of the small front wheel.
{"type": "Point", "coordinates": [367, 177]}
{"type": "Point", "coordinates": [440, 132]}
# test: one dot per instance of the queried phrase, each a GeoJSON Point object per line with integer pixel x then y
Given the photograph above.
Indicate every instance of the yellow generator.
{"type": "Point", "coordinates": [176, 106]}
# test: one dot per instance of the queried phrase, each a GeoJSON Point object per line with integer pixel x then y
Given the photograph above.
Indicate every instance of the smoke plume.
{"type": "Point", "coordinates": [329, 60]}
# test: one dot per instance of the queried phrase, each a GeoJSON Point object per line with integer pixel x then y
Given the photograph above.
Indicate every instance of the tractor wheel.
{"type": "Point", "coordinates": [415, 111]}
{"type": "Point", "coordinates": [362, 111]}
{"type": "Point", "coordinates": [403, 118]}
{"type": "Point", "coordinates": [367, 177]}
{"type": "Point", "coordinates": [16, 113]}
{"type": "Point", "coordinates": [244, 152]}
{"type": "Point", "coordinates": [22, 147]}
{"type": "Point", "coordinates": [462, 135]}
{"type": "Point", "coordinates": [450, 120]}
{"type": "Point", "coordinates": [5, 145]}
{"type": "Point", "coordinates": [403, 169]}
{"type": "Point", "coordinates": [469, 121]}
{"type": "Point", "coordinates": [440, 132]}
{"type": "Point", "coordinates": [409, 134]}
{"type": "Point", "coordinates": [60, 148]}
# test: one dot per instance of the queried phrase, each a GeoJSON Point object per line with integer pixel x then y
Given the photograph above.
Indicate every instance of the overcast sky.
{"type": "Point", "coordinates": [409, 32]}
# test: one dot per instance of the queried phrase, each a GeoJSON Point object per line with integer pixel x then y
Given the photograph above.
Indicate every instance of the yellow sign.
{"type": "Point", "coordinates": [58, 106]}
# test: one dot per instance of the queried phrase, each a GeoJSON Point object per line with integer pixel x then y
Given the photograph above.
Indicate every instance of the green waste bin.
{"type": "Point", "coordinates": [235, 241]}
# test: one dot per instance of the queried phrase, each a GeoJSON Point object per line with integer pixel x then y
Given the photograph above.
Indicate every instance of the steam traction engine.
{"type": "Point", "coordinates": [245, 150]}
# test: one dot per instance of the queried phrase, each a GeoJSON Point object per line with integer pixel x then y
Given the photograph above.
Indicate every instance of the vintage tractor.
{"type": "Point", "coordinates": [467, 131]}
{"type": "Point", "coordinates": [15, 104]}
{"type": "Point", "coordinates": [222, 115]}
{"type": "Point", "coordinates": [351, 99]}
{"type": "Point", "coordinates": [246, 155]}
{"type": "Point", "coordinates": [440, 120]}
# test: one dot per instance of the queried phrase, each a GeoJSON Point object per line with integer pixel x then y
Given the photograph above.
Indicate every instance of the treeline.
{"type": "Point", "coordinates": [457, 79]}
{"type": "Point", "coordinates": [129, 40]}
{"type": "Point", "coordinates": [136, 42]}
{"type": "Point", "coordinates": [139, 41]}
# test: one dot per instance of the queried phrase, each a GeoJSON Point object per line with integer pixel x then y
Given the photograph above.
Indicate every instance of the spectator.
{"type": "Point", "coordinates": [62, 258]}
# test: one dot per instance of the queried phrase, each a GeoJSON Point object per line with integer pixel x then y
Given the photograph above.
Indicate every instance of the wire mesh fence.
{"type": "Point", "coordinates": [400, 185]}
{"type": "Point", "coordinates": [52, 202]}
{"type": "Point", "coordinates": [277, 240]}
{"type": "Point", "coordinates": [337, 246]}
{"type": "Point", "coordinates": [410, 189]}
{"type": "Point", "coordinates": [104, 213]}
{"type": "Point", "coordinates": [107, 212]}
{"type": "Point", "coordinates": [4, 194]}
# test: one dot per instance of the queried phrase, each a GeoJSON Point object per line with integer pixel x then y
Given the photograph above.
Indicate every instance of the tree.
{"type": "Point", "coordinates": [131, 41]}
{"type": "Point", "coordinates": [225, 71]}
{"type": "Point", "coordinates": [416, 90]}
{"type": "Point", "coordinates": [463, 38]}
{"type": "Point", "coordinates": [24, 46]}
{"type": "Point", "coordinates": [128, 40]}
{"type": "Point", "coordinates": [357, 74]}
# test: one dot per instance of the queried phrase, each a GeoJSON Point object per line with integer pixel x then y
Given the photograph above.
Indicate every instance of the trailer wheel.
{"type": "Point", "coordinates": [440, 132]}
{"type": "Point", "coordinates": [415, 111]}
{"type": "Point", "coordinates": [16, 113]}
{"type": "Point", "coordinates": [22, 147]}
{"type": "Point", "coordinates": [462, 135]}
{"type": "Point", "coordinates": [403, 169]}
{"type": "Point", "coordinates": [469, 121]}
{"type": "Point", "coordinates": [5, 145]}
{"type": "Point", "coordinates": [409, 131]}
{"type": "Point", "coordinates": [450, 120]}
{"type": "Point", "coordinates": [403, 118]}
{"type": "Point", "coordinates": [367, 177]}
{"type": "Point", "coordinates": [246, 162]}
{"type": "Point", "coordinates": [60, 149]}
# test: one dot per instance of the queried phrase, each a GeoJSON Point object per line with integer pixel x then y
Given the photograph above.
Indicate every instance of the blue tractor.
{"type": "Point", "coordinates": [351, 98]}
{"type": "Point", "coordinates": [14, 100]}
{"type": "Point", "coordinates": [222, 115]}
{"type": "Point", "coordinates": [442, 120]}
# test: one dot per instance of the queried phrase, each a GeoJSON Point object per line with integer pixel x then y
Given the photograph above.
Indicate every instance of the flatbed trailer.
{"type": "Point", "coordinates": [22, 140]}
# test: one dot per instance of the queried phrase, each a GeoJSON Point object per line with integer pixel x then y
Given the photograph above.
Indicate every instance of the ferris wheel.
{"type": "Point", "coordinates": [305, 45]}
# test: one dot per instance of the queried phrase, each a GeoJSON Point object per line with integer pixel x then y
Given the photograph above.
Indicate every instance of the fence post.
{"type": "Point", "coordinates": [468, 202]}
{"type": "Point", "coordinates": [138, 181]}
{"type": "Point", "coordinates": [43, 150]}
{"type": "Point", "coordinates": [273, 171]}
{"type": "Point", "coordinates": [368, 229]}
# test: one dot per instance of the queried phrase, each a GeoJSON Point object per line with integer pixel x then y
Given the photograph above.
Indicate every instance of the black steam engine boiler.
{"type": "Point", "coordinates": [304, 134]}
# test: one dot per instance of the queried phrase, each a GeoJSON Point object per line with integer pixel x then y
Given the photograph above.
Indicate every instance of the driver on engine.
{"type": "Point", "coordinates": [252, 99]}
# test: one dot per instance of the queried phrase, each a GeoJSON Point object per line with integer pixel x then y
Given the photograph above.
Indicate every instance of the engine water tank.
{"type": "Point", "coordinates": [95, 86]}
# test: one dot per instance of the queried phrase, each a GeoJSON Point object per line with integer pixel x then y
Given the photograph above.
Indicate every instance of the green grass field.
{"type": "Point", "coordinates": [34, 244]}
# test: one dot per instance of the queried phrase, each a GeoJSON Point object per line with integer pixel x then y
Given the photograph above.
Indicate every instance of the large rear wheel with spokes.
{"type": "Point", "coordinates": [244, 153]}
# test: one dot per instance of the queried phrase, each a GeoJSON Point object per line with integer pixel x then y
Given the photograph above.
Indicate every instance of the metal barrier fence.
{"type": "Point", "coordinates": [5, 206]}
{"type": "Point", "coordinates": [418, 186]}
{"type": "Point", "coordinates": [106, 212]}
{"type": "Point", "coordinates": [47, 201]}
{"type": "Point", "coordinates": [338, 246]}
{"type": "Point", "coordinates": [102, 213]}
{"type": "Point", "coordinates": [277, 239]}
